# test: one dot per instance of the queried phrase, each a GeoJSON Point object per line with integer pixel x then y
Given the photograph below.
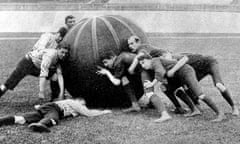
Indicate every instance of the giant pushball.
{"type": "Point", "coordinates": [88, 40]}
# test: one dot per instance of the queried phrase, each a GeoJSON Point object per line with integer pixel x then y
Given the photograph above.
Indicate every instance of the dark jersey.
{"type": "Point", "coordinates": [122, 63]}
{"type": "Point", "coordinates": [151, 50]}
{"type": "Point", "coordinates": [200, 63]}
{"type": "Point", "coordinates": [160, 65]}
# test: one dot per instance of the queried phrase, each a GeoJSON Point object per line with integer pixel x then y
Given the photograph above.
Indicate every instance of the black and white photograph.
{"type": "Point", "coordinates": [119, 71]}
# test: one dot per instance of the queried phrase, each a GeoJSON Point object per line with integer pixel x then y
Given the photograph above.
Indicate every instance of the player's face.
{"type": "Point", "coordinates": [132, 44]}
{"type": "Point", "coordinates": [146, 64]}
{"type": "Point", "coordinates": [62, 53]}
{"type": "Point", "coordinates": [108, 63]}
{"type": "Point", "coordinates": [70, 23]}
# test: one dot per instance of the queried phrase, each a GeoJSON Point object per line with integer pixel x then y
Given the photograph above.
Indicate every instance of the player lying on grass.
{"type": "Point", "coordinates": [119, 64]}
{"type": "Point", "coordinates": [49, 114]}
{"type": "Point", "coordinates": [42, 63]}
{"type": "Point", "coordinates": [184, 76]}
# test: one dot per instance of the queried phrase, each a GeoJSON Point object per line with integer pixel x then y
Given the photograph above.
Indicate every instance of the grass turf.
{"type": "Point", "coordinates": [127, 128]}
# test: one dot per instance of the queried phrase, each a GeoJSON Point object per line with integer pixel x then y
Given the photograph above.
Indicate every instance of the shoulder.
{"type": "Point", "coordinates": [156, 59]}
{"type": "Point", "coordinates": [143, 46]}
{"type": "Point", "coordinates": [50, 52]}
{"type": "Point", "coordinates": [47, 35]}
{"type": "Point", "coordinates": [125, 55]}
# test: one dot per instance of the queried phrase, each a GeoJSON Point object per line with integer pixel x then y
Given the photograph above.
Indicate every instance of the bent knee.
{"type": "Point", "coordinates": [54, 77]}
{"type": "Point", "coordinates": [125, 81]}
{"type": "Point", "coordinates": [221, 87]}
{"type": "Point", "coordinates": [201, 97]}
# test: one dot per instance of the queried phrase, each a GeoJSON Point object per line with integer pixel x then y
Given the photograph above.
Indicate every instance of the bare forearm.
{"type": "Point", "coordinates": [42, 84]}
{"type": "Point", "coordinates": [93, 112]}
{"type": "Point", "coordinates": [154, 82]}
{"type": "Point", "coordinates": [83, 110]}
{"type": "Point", "coordinates": [61, 86]}
{"type": "Point", "coordinates": [114, 80]}
{"type": "Point", "coordinates": [179, 64]}
{"type": "Point", "coordinates": [133, 66]}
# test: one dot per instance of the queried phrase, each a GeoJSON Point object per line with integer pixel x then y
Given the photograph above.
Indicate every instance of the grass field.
{"type": "Point", "coordinates": [134, 128]}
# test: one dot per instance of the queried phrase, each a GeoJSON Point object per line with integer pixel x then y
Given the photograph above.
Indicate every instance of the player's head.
{"type": "Point", "coordinates": [108, 59]}
{"type": "Point", "coordinates": [70, 21]}
{"type": "Point", "coordinates": [60, 34]}
{"type": "Point", "coordinates": [63, 50]}
{"type": "Point", "coordinates": [145, 61]}
{"type": "Point", "coordinates": [134, 42]}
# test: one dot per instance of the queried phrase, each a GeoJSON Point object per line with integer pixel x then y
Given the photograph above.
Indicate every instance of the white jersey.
{"type": "Point", "coordinates": [71, 107]}
{"type": "Point", "coordinates": [46, 41]}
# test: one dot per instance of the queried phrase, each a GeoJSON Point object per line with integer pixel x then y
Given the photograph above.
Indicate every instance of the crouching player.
{"type": "Point", "coordinates": [185, 76]}
{"type": "Point", "coordinates": [208, 65]}
{"type": "Point", "coordinates": [49, 114]}
{"type": "Point", "coordinates": [119, 64]}
{"type": "Point", "coordinates": [42, 63]}
{"type": "Point", "coordinates": [136, 46]}
{"type": "Point", "coordinates": [119, 76]}
{"type": "Point", "coordinates": [152, 95]}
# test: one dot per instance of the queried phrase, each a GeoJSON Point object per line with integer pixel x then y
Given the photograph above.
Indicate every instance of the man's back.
{"type": "Point", "coordinates": [46, 41]}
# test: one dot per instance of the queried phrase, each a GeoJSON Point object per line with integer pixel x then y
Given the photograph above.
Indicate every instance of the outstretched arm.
{"type": "Point", "coordinates": [83, 110]}
{"type": "Point", "coordinates": [134, 63]}
{"type": "Point", "coordinates": [106, 72]}
{"type": "Point", "coordinates": [44, 72]}
{"type": "Point", "coordinates": [42, 87]}
{"type": "Point", "coordinates": [61, 86]}
{"type": "Point", "coordinates": [177, 66]}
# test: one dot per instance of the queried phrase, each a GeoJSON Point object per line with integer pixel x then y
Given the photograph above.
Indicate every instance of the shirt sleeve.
{"type": "Point", "coordinates": [82, 109]}
{"type": "Point", "coordinates": [157, 52]}
{"type": "Point", "coordinates": [42, 42]}
{"type": "Point", "coordinates": [168, 61]}
{"type": "Point", "coordinates": [159, 70]}
{"type": "Point", "coordinates": [119, 68]}
{"type": "Point", "coordinates": [45, 64]}
{"type": "Point", "coordinates": [142, 51]}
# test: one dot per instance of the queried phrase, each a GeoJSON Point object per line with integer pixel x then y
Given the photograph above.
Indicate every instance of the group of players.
{"type": "Point", "coordinates": [162, 74]}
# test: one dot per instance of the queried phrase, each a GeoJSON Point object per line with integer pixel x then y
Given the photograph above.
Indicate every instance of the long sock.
{"type": "Point", "coordinates": [227, 97]}
{"type": "Point", "coordinates": [130, 93]}
{"type": "Point", "coordinates": [195, 100]}
{"type": "Point", "coordinates": [55, 89]}
{"type": "Point", "coordinates": [185, 98]}
{"type": "Point", "coordinates": [174, 101]}
{"type": "Point", "coordinates": [7, 120]}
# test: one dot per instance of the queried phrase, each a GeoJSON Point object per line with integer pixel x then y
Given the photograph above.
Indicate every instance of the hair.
{"type": "Point", "coordinates": [64, 45]}
{"type": "Point", "coordinates": [136, 38]}
{"type": "Point", "coordinates": [68, 17]}
{"type": "Point", "coordinates": [107, 55]}
{"type": "Point", "coordinates": [62, 31]}
{"type": "Point", "coordinates": [145, 56]}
